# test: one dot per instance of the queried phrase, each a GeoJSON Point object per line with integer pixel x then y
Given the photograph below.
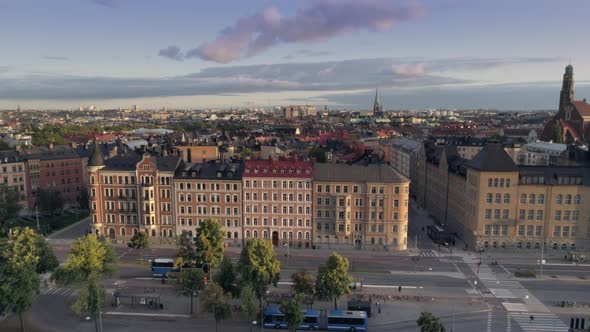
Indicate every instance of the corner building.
{"type": "Point", "coordinates": [361, 206]}
{"type": "Point", "coordinates": [278, 201]}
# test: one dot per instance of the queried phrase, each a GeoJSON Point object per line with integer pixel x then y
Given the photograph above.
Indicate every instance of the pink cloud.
{"type": "Point", "coordinates": [323, 20]}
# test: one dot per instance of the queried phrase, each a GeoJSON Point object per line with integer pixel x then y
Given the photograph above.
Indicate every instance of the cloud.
{"type": "Point", "coordinates": [328, 76]}
{"type": "Point", "coordinates": [56, 58]}
{"type": "Point", "coordinates": [323, 20]}
{"type": "Point", "coordinates": [305, 53]}
{"type": "Point", "coordinates": [107, 3]}
{"type": "Point", "coordinates": [172, 52]}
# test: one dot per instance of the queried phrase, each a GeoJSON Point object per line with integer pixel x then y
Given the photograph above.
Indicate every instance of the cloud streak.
{"type": "Point", "coordinates": [322, 20]}
{"type": "Point", "coordinates": [172, 52]}
{"type": "Point", "coordinates": [56, 58]}
{"type": "Point", "coordinates": [330, 76]}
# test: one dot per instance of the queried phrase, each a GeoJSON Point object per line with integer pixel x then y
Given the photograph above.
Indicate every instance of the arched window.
{"type": "Point", "coordinates": [490, 182]}
{"type": "Point", "coordinates": [135, 231]}
{"type": "Point", "coordinates": [255, 234]}
{"type": "Point", "coordinates": [170, 233]}
{"type": "Point", "coordinates": [532, 199]}
{"type": "Point", "coordinates": [380, 241]}
{"type": "Point", "coordinates": [122, 231]}
{"type": "Point", "coordinates": [265, 234]}
{"type": "Point", "coordinates": [577, 199]}
{"type": "Point", "coordinates": [247, 233]}
{"type": "Point", "coordinates": [235, 235]}
{"type": "Point", "coordinates": [153, 232]}
{"type": "Point", "coordinates": [284, 235]}
{"type": "Point", "coordinates": [290, 235]}
{"type": "Point", "coordinates": [299, 235]}
{"type": "Point", "coordinates": [307, 236]}
{"type": "Point", "coordinates": [522, 198]}
{"type": "Point", "coordinates": [559, 199]}
{"type": "Point", "coordinates": [528, 245]}
{"type": "Point", "coordinates": [190, 234]}
{"type": "Point", "coordinates": [519, 245]}
{"type": "Point", "coordinates": [568, 199]}
{"type": "Point", "coordinates": [229, 235]}
{"type": "Point", "coordinates": [372, 240]}
{"type": "Point", "coordinates": [564, 246]}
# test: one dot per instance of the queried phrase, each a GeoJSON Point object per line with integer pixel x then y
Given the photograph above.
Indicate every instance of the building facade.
{"type": "Point", "coordinates": [278, 201]}
{"type": "Point", "coordinates": [490, 202]}
{"type": "Point", "coordinates": [209, 190]}
{"type": "Point", "coordinates": [131, 193]}
{"type": "Point", "coordinates": [361, 206]}
{"type": "Point", "coordinates": [13, 176]}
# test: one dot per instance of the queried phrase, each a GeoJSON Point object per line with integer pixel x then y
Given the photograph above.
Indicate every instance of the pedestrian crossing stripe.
{"type": "Point", "coordinates": [541, 322]}
{"type": "Point", "coordinates": [427, 253]}
{"type": "Point", "coordinates": [62, 291]}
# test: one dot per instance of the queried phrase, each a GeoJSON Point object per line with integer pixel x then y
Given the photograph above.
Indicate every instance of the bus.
{"type": "Point", "coordinates": [274, 318]}
{"type": "Point", "coordinates": [162, 266]}
{"type": "Point", "coordinates": [347, 320]}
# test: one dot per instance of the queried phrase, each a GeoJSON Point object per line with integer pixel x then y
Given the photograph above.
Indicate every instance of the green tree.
{"type": "Point", "coordinates": [318, 154]}
{"type": "Point", "coordinates": [89, 259]}
{"type": "Point", "coordinates": [215, 302]}
{"type": "Point", "coordinates": [333, 280]}
{"type": "Point", "coordinates": [227, 277]}
{"type": "Point", "coordinates": [259, 266]}
{"type": "Point", "coordinates": [185, 248]}
{"type": "Point", "coordinates": [303, 282]}
{"type": "Point", "coordinates": [19, 280]}
{"type": "Point", "coordinates": [291, 308]}
{"type": "Point", "coordinates": [248, 303]}
{"type": "Point", "coordinates": [209, 243]}
{"type": "Point", "coordinates": [139, 241]}
{"type": "Point", "coordinates": [429, 323]}
{"type": "Point", "coordinates": [9, 208]}
{"type": "Point", "coordinates": [190, 282]}
{"type": "Point", "coordinates": [47, 260]}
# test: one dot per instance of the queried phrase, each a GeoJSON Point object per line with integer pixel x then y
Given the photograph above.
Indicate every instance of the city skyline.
{"type": "Point", "coordinates": [449, 54]}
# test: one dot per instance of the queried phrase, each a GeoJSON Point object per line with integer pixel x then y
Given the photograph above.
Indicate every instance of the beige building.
{"type": "Point", "coordinates": [489, 201]}
{"type": "Point", "coordinates": [361, 206]}
{"type": "Point", "coordinates": [209, 190]}
{"type": "Point", "coordinates": [198, 153]}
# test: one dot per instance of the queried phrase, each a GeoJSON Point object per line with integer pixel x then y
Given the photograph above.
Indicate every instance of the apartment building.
{"type": "Point", "coordinates": [361, 206]}
{"type": "Point", "coordinates": [490, 202]}
{"type": "Point", "coordinates": [209, 190]}
{"type": "Point", "coordinates": [278, 201]}
{"type": "Point", "coordinates": [130, 193]}
{"type": "Point", "coordinates": [13, 176]}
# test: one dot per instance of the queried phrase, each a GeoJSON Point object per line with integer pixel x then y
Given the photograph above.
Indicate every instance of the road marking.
{"type": "Point", "coordinates": [141, 314]}
{"type": "Point", "coordinates": [489, 326]}
{"type": "Point", "coordinates": [540, 323]}
{"type": "Point", "coordinates": [508, 323]}
{"type": "Point", "coordinates": [147, 278]}
{"type": "Point", "coordinates": [503, 268]}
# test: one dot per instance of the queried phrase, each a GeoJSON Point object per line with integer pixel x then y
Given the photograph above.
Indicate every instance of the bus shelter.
{"type": "Point", "coordinates": [150, 301]}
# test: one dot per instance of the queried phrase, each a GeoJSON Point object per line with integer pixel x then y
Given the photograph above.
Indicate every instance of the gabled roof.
{"type": "Point", "coordinates": [492, 158]}
{"type": "Point", "coordinates": [357, 173]}
{"type": "Point", "coordinates": [582, 107]}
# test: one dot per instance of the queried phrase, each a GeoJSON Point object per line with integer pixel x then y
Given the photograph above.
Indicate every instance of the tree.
{"type": "Point", "coordinates": [259, 266]}
{"type": "Point", "coordinates": [9, 208]}
{"type": "Point", "coordinates": [429, 323]}
{"type": "Point", "coordinates": [291, 308]}
{"type": "Point", "coordinates": [88, 261]}
{"type": "Point", "coordinates": [185, 247]}
{"type": "Point", "coordinates": [303, 282]}
{"type": "Point", "coordinates": [190, 282]}
{"type": "Point", "coordinates": [209, 243]}
{"type": "Point", "coordinates": [47, 260]}
{"type": "Point", "coordinates": [139, 241]}
{"type": "Point", "coordinates": [227, 277]}
{"type": "Point", "coordinates": [333, 280]}
{"type": "Point", "coordinates": [215, 302]}
{"type": "Point", "coordinates": [19, 280]}
{"type": "Point", "coordinates": [248, 302]}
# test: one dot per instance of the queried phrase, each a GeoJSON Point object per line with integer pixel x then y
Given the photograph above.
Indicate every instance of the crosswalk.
{"type": "Point", "coordinates": [59, 291]}
{"type": "Point", "coordinates": [541, 322]}
{"type": "Point", "coordinates": [427, 253]}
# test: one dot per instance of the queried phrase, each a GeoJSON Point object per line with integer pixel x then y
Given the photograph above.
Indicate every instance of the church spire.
{"type": "Point", "coordinates": [567, 89]}
{"type": "Point", "coordinates": [377, 109]}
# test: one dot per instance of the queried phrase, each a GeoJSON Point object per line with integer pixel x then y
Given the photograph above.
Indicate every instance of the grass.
{"type": "Point", "coordinates": [51, 224]}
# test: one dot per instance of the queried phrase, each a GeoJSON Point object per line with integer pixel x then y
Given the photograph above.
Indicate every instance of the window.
{"type": "Point", "coordinates": [507, 183]}
{"type": "Point", "coordinates": [496, 182]}
{"type": "Point", "coordinates": [521, 214]}
{"type": "Point", "coordinates": [488, 229]}
{"type": "Point", "coordinates": [521, 230]}
{"type": "Point", "coordinates": [496, 214]}
{"type": "Point", "coordinates": [568, 199]}
{"type": "Point", "coordinates": [506, 198]}
{"type": "Point", "coordinates": [529, 230]}
{"type": "Point", "coordinates": [488, 213]}
{"type": "Point", "coordinates": [501, 183]}
{"type": "Point", "coordinates": [504, 230]}
{"type": "Point", "coordinates": [575, 215]}
{"type": "Point", "coordinates": [505, 214]}
{"type": "Point", "coordinates": [566, 231]}
{"type": "Point", "coordinates": [541, 199]}
{"type": "Point", "coordinates": [498, 198]}
{"type": "Point", "coordinates": [489, 182]}
{"type": "Point", "coordinates": [522, 198]}
{"type": "Point", "coordinates": [539, 231]}
{"type": "Point", "coordinates": [539, 215]}
{"type": "Point", "coordinates": [577, 199]}
{"type": "Point", "coordinates": [559, 199]}
{"type": "Point", "coordinates": [531, 215]}
{"type": "Point", "coordinates": [558, 215]}
{"type": "Point", "coordinates": [556, 231]}
{"type": "Point", "coordinates": [532, 199]}
{"type": "Point", "coordinates": [566, 215]}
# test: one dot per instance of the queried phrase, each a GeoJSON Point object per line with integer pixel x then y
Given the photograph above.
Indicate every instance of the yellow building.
{"type": "Point", "coordinates": [489, 201]}
{"type": "Point", "coordinates": [362, 206]}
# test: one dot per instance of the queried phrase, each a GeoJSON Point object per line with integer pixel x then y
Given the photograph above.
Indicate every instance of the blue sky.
{"type": "Point", "coordinates": [196, 54]}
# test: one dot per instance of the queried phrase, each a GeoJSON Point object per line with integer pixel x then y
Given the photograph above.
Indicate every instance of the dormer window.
{"type": "Point", "coordinates": [298, 171]}
{"type": "Point", "coordinates": [146, 167]}
{"type": "Point", "coordinates": [256, 171]}
{"type": "Point", "coordinates": [283, 171]}
{"type": "Point", "coordinates": [264, 171]}
{"type": "Point", "coordinates": [274, 171]}
{"type": "Point", "coordinates": [247, 171]}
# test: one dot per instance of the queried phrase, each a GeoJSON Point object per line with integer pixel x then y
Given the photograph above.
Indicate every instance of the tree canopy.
{"type": "Point", "coordinates": [215, 302]}
{"type": "Point", "coordinates": [209, 243]}
{"type": "Point", "coordinates": [89, 256]}
{"type": "Point", "coordinates": [333, 280]}
{"type": "Point", "coordinates": [258, 265]}
{"type": "Point", "coordinates": [227, 277]}
{"type": "Point", "coordinates": [429, 323]}
{"type": "Point", "coordinates": [291, 308]}
{"type": "Point", "coordinates": [189, 282]}
{"type": "Point", "coordinates": [303, 282]}
{"type": "Point", "coordinates": [185, 248]}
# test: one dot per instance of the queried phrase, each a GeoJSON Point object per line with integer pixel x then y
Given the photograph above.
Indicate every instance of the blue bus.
{"type": "Point", "coordinates": [274, 318]}
{"type": "Point", "coordinates": [161, 266]}
{"type": "Point", "coordinates": [346, 320]}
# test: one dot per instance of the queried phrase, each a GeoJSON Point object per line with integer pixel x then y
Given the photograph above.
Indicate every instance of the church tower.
{"type": "Point", "coordinates": [377, 109]}
{"type": "Point", "coordinates": [567, 90]}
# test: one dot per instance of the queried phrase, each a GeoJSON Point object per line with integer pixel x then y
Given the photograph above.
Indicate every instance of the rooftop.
{"type": "Point", "coordinates": [357, 173]}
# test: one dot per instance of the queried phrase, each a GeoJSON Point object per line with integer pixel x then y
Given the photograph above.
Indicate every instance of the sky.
{"type": "Point", "coordinates": [499, 54]}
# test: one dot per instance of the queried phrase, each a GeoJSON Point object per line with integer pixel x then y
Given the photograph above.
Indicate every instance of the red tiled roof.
{"type": "Point", "coordinates": [582, 107]}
